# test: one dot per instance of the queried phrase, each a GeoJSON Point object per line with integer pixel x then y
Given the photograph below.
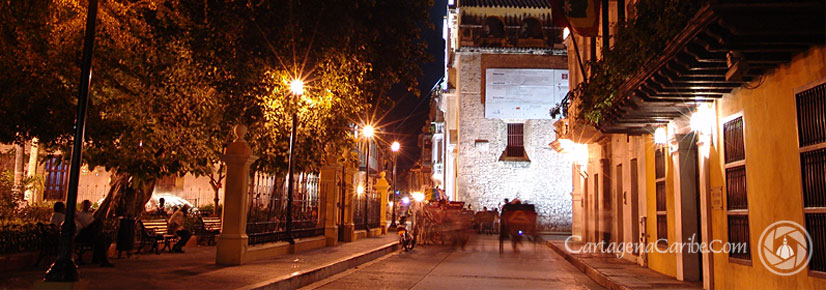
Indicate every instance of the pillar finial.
{"type": "Point", "coordinates": [240, 132]}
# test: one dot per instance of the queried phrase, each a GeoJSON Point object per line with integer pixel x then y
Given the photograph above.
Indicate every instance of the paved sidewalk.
{"type": "Point", "coordinates": [614, 273]}
{"type": "Point", "coordinates": [197, 269]}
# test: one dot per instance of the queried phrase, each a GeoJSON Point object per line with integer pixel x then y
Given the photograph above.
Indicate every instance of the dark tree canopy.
{"type": "Point", "coordinates": [170, 78]}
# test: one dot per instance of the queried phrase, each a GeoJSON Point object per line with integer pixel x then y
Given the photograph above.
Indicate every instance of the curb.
{"type": "Point", "coordinates": [589, 270]}
{"type": "Point", "coordinates": [306, 277]}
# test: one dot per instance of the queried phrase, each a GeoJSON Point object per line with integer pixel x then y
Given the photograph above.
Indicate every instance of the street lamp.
{"type": "Point", "coordinates": [395, 148]}
{"type": "Point", "coordinates": [297, 89]}
{"type": "Point", "coordinates": [64, 268]}
{"type": "Point", "coordinates": [368, 133]}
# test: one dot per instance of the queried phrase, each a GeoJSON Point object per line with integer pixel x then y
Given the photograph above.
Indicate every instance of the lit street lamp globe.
{"type": "Point", "coordinates": [297, 87]}
{"type": "Point", "coordinates": [368, 131]}
{"type": "Point", "coordinates": [395, 147]}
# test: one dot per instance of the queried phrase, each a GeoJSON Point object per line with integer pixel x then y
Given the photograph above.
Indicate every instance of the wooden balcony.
{"type": "Point", "coordinates": [726, 45]}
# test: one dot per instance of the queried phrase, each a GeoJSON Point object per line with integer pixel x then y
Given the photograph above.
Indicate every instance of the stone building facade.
{"type": "Point", "coordinates": [484, 179]}
{"type": "Point", "coordinates": [485, 35]}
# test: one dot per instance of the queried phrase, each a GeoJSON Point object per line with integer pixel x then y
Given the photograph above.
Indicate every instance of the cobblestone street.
{"type": "Point", "coordinates": [479, 266]}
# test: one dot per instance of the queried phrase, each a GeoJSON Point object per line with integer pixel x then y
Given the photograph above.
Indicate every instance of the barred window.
{"type": "Point", "coordinates": [516, 146]}
{"type": "Point", "coordinates": [811, 129]}
{"type": "Point", "coordinates": [737, 205]}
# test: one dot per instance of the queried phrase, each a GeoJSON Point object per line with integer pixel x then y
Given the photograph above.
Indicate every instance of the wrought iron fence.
{"type": "Point", "coordinates": [359, 210]}
{"type": "Point", "coordinates": [374, 214]}
{"type": "Point", "coordinates": [267, 215]}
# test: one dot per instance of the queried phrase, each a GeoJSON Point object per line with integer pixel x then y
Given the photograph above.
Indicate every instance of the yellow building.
{"type": "Point", "coordinates": [720, 141]}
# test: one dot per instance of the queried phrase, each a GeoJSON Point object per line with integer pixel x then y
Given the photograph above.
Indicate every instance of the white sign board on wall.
{"type": "Point", "coordinates": [523, 93]}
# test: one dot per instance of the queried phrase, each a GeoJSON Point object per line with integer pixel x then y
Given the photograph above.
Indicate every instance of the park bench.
{"type": "Point", "coordinates": [153, 232]}
{"type": "Point", "coordinates": [208, 228]}
{"type": "Point", "coordinates": [50, 244]}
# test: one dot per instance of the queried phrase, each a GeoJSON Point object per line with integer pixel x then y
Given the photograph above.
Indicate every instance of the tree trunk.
{"type": "Point", "coordinates": [215, 208]}
{"type": "Point", "coordinates": [215, 182]}
{"type": "Point", "coordinates": [127, 197]}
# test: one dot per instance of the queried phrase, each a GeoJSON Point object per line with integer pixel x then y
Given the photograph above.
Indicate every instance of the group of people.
{"type": "Point", "coordinates": [175, 223]}
{"type": "Point", "coordinates": [90, 230]}
{"type": "Point", "coordinates": [489, 221]}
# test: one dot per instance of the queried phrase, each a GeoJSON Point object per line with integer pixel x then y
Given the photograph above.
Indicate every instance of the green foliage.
{"type": "Point", "coordinates": [170, 78]}
{"type": "Point", "coordinates": [35, 214]}
{"type": "Point", "coordinates": [36, 97]}
{"type": "Point", "coordinates": [209, 210]}
{"type": "Point", "coordinates": [11, 201]}
{"type": "Point", "coordinates": [635, 44]}
{"type": "Point", "coordinates": [19, 237]}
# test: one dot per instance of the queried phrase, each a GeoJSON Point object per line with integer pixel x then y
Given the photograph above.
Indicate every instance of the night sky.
{"type": "Point", "coordinates": [409, 114]}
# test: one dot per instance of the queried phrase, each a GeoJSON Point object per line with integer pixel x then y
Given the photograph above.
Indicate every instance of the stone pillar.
{"type": "Point", "coordinates": [329, 194]}
{"type": "Point", "coordinates": [349, 193]}
{"type": "Point", "coordinates": [382, 186]}
{"type": "Point", "coordinates": [18, 168]}
{"type": "Point", "coordinates": [33, 196]}
{"type": "Point", "coordinates": [233, 241]}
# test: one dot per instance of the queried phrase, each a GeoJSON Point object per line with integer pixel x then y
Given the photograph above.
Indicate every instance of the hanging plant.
{"type": "Point", "coordinates": [635, 43]}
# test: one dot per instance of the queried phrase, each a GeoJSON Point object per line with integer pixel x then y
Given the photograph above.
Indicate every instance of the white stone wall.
{"type": "Point", "coordinates": [484, 181]}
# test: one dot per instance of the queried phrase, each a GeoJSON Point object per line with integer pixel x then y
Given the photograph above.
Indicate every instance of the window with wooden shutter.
{"type": "Point", "coordinates": [57, 179]}
{"type": "Point", "coordinates": [811, 130]}
{"type": "Point", "coordinates": [662, 206]}
{"type": "Point", "coordinates": [737, 204]}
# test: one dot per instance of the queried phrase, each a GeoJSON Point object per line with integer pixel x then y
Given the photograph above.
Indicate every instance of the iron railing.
{"type": "Point", "coordinates": [374, 215]}
{"type": "Point", "coordinates": [266, 218]}
{"type": "Point", "coordinates": [816, 225]}
{"type": "Point", "coordinates": [359, 212]}
{"type": "Point", "coordinates": [738, 234]}
{"type": "Point", "coordinates": [811, 115]}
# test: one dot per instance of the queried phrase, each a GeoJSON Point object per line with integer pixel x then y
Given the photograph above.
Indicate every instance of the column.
{"type": "Point", "coordinates": [382, 186]}
{"type": "Point", "coordinates": [329, 195]}
{"type": "Point", "coordinates": [349, 192]}
{"type": "Point", "coordinates": [233, 241]}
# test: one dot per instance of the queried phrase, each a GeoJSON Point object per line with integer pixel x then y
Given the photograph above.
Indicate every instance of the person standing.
{"type": "Point", "coordinates": [160, 210]}
{"type": "Point", "coordinates": [503, 233]}
{"type": "Point", "coordinates": [176, 227]}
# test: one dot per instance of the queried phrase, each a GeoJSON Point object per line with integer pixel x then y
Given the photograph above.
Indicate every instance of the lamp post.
{"type": "Point", "coordinates": [368, 133]}
{"type": "Point", "coordinates": [395, 148]}
{"type": "Point", "coordinates": [64, 269]}
{"type": "Point", "coordinates": [297, 89]}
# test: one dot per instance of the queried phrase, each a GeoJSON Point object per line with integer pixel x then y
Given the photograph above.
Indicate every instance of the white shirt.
{"type": "Point", "coordinates": [84, 218]}
{"type": "Point", "coordinates": [176, 222]}
{"type": "Point", "coordinates": [57, 219]}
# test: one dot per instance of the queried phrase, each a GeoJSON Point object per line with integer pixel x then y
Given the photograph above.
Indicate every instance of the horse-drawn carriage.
{"type": "Point", "coordinates": [445, 222]}
{"type": "Point", "coordinates": [518, 221]}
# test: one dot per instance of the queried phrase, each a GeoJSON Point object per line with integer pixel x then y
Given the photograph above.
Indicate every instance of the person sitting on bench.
{"type": "Point", "coordinates": [176, 227]}
{"type": "Point", "coordinates": [58, 215]}
{"type": "Point", "coordinates": [90, 231]}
